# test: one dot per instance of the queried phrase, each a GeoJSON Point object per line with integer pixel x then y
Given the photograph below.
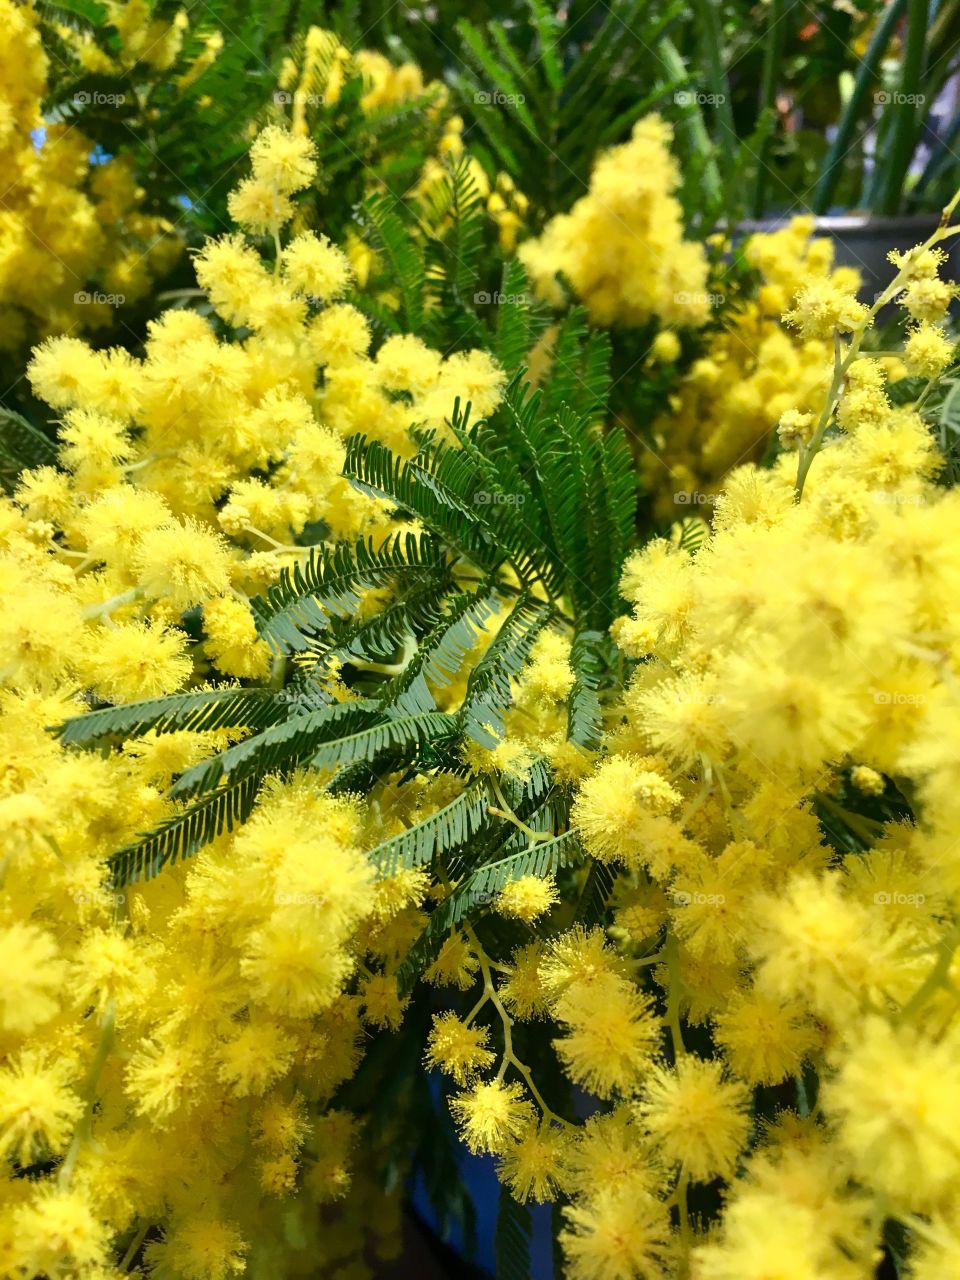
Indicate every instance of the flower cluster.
{"type": "Point", "coordinates": [75, 244]}
{"type": "Point", "coordinates": [752, 369]}
{"type": "Point", "coordinates": [798, 662]}
{"type": "Point", "coordinates": [622, 245]}
{"type": "Point", "coordinates": [771, 932]}
{"type": "Point", "coordinates": [170, 1051]}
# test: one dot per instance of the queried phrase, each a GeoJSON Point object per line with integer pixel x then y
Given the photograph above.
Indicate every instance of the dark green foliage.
{"type": "Point", "coordinates": [307, 599]}
{"type": "Point", "coordinates": [185, 833]}
{"type": "Point", "coordinates": [511, 1241]}
{"type": "Point", "coordinates": [22, 445]}
{"type": "Point", "coordinates": [449, 827]}
{"type": "Point", "coordinates": [440, 255]}
{"type": "Point", "coordinates": [545, 94]}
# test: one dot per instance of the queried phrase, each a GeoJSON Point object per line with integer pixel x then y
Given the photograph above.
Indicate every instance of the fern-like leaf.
{"type": "Point", "coordinates": [478, 890]}
{"type": "Point", "coordinates": [22, 445]}
{"type": "Point", "coordinates": [451, 826]}
{"type": "Point", "coordinates": [281, 745]}
{"type": "Point", "coordinates": [330, 585]}
{"type": "Point", "coordinates": [390, 237]}
{"type": "Point", "coordinates": [488, 688]}
{"type": "Point", "coordinates": [511, 1240]}
{"type": "Point", "coordinates": [584, 719]}
{"type": "Point", "coordinates": [194, 712]}
{"type": "Point", "coordinates": [186, 832]}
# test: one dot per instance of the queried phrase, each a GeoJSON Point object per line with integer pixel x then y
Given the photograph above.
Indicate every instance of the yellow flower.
{"type": "Point", "coordinates": [616, 1234]}
{"type": "Point", "coordinates": [533, 1166]}
{"type": "Point", "coordinates": [611, 1035]}
{"type": "Point", "coordinates": [527, 898]}
{"type": "Point", "coordinates": [38, 1108]}
{"type": "Point", "coordinates": [490, 1115]}
{"type": "Point", "coordinates": [696, 1118]}
{"type": "Point", "coordinates": [457, 1049]}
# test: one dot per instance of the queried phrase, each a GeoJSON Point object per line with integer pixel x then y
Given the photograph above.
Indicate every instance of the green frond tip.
{"type": "Point", "coordinates": [477, 891]}
{"type": "Point", "coordinates": [449, 827]}
{"type": "Point", "coordinates": [185, 833]}
{"type": "Point", "coordinates": [194, 712]}
{"type": "Point", "coordinates": [330, 584]}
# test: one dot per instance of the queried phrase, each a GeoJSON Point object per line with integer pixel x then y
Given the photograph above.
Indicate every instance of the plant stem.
{"type": "Point", "coordinates": [115, 602]}
{"type": "Point", "coordinates": [509, 1059]}
{"type": "Point", "coordinates": [937, 977]}
{"type": "Point", "coordinates": [672, 1018]}
{"type": "Point", "coordinates": [134, 1247]}
{"type": "Point", "coordinates": [82, 1131]}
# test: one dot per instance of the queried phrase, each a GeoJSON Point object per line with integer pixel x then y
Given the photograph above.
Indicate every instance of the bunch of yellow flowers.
{"type": "Point", "coordinates": [74, 243]}
{"type": "Point", "coordinates": [765, 1021]}
{"type": "Point", "coordinates": [622, 246]}
{"type": "Point", "coordinates": [169, 1052]}
{"type": "Point", "coordinates": [801, 661]}
{"type": "Point", "coordinates": [751, 370]}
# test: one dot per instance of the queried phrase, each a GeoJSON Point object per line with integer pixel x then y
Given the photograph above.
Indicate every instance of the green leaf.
{"type": "Point", "coordinates": [195, 712]}
{"type": "Point", "coordinates": [488, 688]}
{"type": "Point", "coordinates": [512, 1238]}
{"type": "Point", "coordinates": [446, 829]}
{"type": "Point", "coordinates": [280, 745]}
{"type": "Point", "coordinates": [182, 835]}
{"type": "Point", "coordinates": [693, 533]}
{"type": "Point", "coordinates": [22, 446]}
{"type": "Point", "coordinates": [478, 890]}
{"type": "Point", "coordinates": [441, 654]}
{"type": "Point", "coordinates": [595, 894]}
{"type": "Point", "coordinates": [390, 237]}
{"type": "Point", "coordinates": [520, 320]}
{"type": "Point", "coordinates": [584, 716]}
{"type": "Point", "coordinates": [331, 584]}
{"type": "Point", "coordinates": [406, 732]}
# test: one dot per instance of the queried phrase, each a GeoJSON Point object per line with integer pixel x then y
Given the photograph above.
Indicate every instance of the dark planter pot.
{"type": "Point", "coordinates": [863, 241]}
